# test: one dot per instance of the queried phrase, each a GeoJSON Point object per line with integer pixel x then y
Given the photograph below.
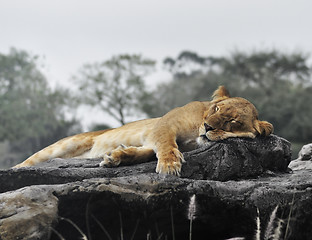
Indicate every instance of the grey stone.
{"type": "Point", "coordinates": [237, 158]}
{"type": "Point", "coordinates": [304, 160]}
{"type": "Point", "coordinates": [305, 153]}
{"type": "Point", "coordinates": [27, 213]}
{"type": "Point", "coordinates": [230, 179]}
{"type": "Point", "coordinates": [226, 160]}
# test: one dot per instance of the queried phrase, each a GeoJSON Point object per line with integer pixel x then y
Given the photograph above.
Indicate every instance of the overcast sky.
{"type": "Point", "coordinates": [69, 33]}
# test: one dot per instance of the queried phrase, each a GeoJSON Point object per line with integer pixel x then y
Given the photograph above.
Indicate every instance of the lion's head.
{"type": "Point", "coordinates": [232, 117]}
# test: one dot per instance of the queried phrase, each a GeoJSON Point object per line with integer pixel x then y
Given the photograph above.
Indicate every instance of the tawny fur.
{"type": "Point", "coordinates": [181, 129]}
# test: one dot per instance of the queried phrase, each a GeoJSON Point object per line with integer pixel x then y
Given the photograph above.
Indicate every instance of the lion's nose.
{"type": "Point", "coordinates": [208, 127]}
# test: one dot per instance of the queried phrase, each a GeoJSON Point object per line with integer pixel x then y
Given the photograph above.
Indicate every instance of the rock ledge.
{"type": "Point", "coordinates": [230, 180]}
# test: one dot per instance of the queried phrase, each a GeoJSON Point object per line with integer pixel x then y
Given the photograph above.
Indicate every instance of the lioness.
{"type": "Point", "coordinates": [183, 128]}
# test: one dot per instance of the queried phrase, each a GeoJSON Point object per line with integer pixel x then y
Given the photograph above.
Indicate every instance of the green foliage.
{"type": "Point", "coordinates": [98, 127]}
{"type": "Point", "coordinates": [116, 86]}
{"type": "Point", "coordinates": [31, 114]}
{"type": "Point", "coordinates": [279, 84]}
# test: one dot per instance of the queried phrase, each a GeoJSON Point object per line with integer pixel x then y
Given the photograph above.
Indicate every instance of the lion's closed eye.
{"type": "Point", "coordinates": [235, 122]}
{"type": "Point", "coordinates": [231, 121]}
{"type": "Point", "coordinates": [234, 125]}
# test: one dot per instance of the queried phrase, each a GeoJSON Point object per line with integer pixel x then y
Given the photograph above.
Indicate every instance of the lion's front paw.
{"type": "Point", "coordinates": [114, 158]}
{"type": "Point", "coordinates": [109, 161]}
{"type": "Point", "coordinates": [217, 135]}
{"type": "Point", "coordinates": [170, 163]}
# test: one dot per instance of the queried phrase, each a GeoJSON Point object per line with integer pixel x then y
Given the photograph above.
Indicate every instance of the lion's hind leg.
{"type": "Point", "coordinates": [128, 155]}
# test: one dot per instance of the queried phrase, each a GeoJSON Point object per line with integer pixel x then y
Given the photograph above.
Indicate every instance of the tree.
{"type": "Point", "coordinates": [31, 114]}
{"type": "Point", "coordinates": [98, 127]}
{"type": "Point", "coordinates": [187, 63]}
{"type": "Point", "coordinates": [116, 86]}
{"type": "Point", "coordinates": [279, 84]}
{"type": "Point", "coordinates": [266, 69]}
{"type": "Point", "coordinates": [189, 71]}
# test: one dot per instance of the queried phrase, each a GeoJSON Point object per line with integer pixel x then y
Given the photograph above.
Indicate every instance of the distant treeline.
{"type": "Point", "coordinates": [279, 84]}
{"type": "Point", "coordinates": [33, 115]}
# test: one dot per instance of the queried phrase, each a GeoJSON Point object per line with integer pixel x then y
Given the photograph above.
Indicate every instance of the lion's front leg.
{"type": "Point", "coordinates": [169, 157]}
{"type": "Point", "coordinates": [217, 135]}
{"type": "Point", "coordinates": [169, 161]}
{"type": "Point", "coordinates": [127, 155]}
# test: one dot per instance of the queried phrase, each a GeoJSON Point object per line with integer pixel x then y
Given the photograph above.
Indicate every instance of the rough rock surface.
{"type": "Point", "coordinates": [304, 160]}
{"type": "Point", "coordinates": [305, 152]}
{"type": "Point", "coordinates": [26, 213]}
{"type": "Point", "coordinates": [230, 180]}
{"type": "Point", "coordinates": [226, 160]}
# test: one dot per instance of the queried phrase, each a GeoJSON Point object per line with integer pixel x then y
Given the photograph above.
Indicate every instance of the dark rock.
{"type": "Point", "coordinates": [137, 203]}
{"type": "Point", "coordinates": [149, 204]}
{"type": "Point", "coordinates": [227, 160]}
{"type": "Point", "coordinates": [237, 158]}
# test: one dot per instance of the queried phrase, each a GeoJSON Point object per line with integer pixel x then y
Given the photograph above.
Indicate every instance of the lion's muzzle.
{"type": "Point", "coordinates": [208, 127]}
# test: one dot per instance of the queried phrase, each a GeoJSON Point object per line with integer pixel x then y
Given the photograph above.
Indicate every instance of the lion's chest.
{"type": "Point", "coordinates": [187, 145]}
{"type": "Point", "coordinates": [187, 140]}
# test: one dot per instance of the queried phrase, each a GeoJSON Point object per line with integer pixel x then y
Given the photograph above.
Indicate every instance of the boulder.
{"type": "Point", "coordinates": [228, 183]}
{"type": "Point", "coordinates": [27, 213]}
{"type": "Point", "coordinates": [305, 153]}
{"type": "Point", "coordinates": [235, 158]}
{"type": "Point", "coordinates": [304, 160]}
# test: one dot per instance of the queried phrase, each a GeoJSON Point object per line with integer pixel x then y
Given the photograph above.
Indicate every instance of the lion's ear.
{"type": "Point", "coordinates": [264, 128]}
{"type": "Point", "coordinates": [221, 92]}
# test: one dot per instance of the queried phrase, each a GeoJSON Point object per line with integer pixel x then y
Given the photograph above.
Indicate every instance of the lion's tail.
{"type": "Point", "coordinates": [65, 148]}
